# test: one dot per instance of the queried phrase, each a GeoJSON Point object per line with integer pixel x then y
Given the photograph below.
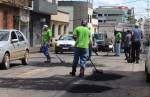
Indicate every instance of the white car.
{"type": "Point", "coordinates": [13, 46]}
{"type": "Point", "coordinates": [65, 43]}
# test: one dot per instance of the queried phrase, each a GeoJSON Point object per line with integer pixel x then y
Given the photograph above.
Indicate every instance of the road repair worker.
{"type": "Point", "coordinates": [118, 37]}
{"type": "Point", "coordinates": [82, 36]}
{"type": "Point", "coordinates": [46, 38]}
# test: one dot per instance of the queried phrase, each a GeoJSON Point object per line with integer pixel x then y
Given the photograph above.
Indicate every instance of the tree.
{"type": "Point", "coordinates": [132, 20]}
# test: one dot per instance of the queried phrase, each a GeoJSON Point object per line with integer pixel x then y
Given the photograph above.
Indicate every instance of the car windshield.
{"type": "Point", "coordinates": [66, 37]}
{"type": "Point", "coordinates": [99, 36]}
{"type": "Point", "coordinates": [4, 35]}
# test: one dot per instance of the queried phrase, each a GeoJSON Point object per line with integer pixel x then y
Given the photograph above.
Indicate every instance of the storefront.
{"type": "Point", "coordinates": [36, 24]}
{"type": "Point", "coordinates": [9, 17]}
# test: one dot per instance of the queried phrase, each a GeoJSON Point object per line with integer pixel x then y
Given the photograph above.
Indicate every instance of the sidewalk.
{"type": "Point", "coordinates": [37, 49]}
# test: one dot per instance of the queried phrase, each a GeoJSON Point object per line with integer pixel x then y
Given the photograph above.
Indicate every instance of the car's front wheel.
{"type": "Point", "coordinates": [25, 59]}
{"type": "Point", "coordinates": [6, 61]}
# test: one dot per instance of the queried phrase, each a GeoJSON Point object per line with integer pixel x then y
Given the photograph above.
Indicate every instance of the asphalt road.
{"type": "Point", "coordinates": [38, 79]}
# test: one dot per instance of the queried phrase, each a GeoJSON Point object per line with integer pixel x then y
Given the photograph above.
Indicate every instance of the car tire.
{"type": "Point", "coordinates": [25, 59]}
{"type": "Point", "coordinates": [6, 62]}
{"type": "Point", "coordinates": [56, 52]}
{"type": "Point", "coordinates": [147, 75]}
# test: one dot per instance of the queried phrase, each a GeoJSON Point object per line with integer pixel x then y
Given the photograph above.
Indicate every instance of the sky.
{"type": "Point", "coordinates": [139, 6]}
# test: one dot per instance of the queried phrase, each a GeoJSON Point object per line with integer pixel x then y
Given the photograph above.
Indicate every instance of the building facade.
{"type": "Point", "coordinates": [110, 16]}
{"type": "Point", "coordinates": [60, 24]}
{"type": "Point", "coordinates": [39, 16]}
{"type": "Point", "coordinates": [28, 16]}
{"type": "Point", "coordinates": [78, 10]}
{"type": "Point", "coordinates": [10, 13]}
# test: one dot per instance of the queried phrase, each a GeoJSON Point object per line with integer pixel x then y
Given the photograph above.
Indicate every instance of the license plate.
{"type": "Point", "coordinates": [65, 48]}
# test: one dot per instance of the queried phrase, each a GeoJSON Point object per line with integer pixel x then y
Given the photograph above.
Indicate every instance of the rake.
{"type": "Point", "coordinates": [96, 70]}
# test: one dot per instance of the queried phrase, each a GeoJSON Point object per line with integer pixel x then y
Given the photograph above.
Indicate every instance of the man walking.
{"type": "Point", "coordinates": [46, 37]}
{"type": "Point", "coordinates": [136, 43]}
{"type": "Point", "coordinates": [82, 37]}
{"type": "Point", "coordinates": [127, 44]}
{"type": "Point", "coordinates": [118, 38]}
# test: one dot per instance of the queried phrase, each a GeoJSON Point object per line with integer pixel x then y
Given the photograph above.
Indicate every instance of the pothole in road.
{"type": "Point", "coordinates": [104, 77]}
{"type": "Point", "coordinates": [83, 88]}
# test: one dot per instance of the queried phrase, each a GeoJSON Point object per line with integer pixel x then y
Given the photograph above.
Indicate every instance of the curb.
{"type": "Point", "coordinates": [37, 49]}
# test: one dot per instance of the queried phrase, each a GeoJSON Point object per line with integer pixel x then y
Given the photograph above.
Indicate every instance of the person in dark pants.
{"type": "Point", "coordinates": [127, 44]}
{"type": "Point", "coordinates": [82, 36]}
{"type": "Point", "coordinates": [136, 43]}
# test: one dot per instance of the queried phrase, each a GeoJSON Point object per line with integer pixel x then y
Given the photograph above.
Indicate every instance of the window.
{"type": "Point", "coordinates": [4, 35]}
{"type": "Point", "coordinates": [20, 36]}
{"type": "Point", "coordinates": [13, 35]}
{"type": "Point", "coordinates": [99, 14]}
{"type": "Point", "coordinates": [100, 21]}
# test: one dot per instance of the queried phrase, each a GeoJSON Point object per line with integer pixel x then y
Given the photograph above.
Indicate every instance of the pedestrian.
{"type": "Point", "coordinates": [108, 42]}
{"type": "Point", "coordinates": [127, 44]}
{"type": "Point", "coordinates": [46, 40]}
{"type": "Point", "coordinates": [136, 43]}
{"type": "Point", "coordinates": [82, 36]}
{"type": "Point", "coordinates": [118, 37]}
{"type": "Point", "coordinates": [92, 46]}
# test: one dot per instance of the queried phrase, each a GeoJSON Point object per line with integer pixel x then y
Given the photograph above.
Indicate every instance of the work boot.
{"type": "Point", "coordinates": [137, 61]}
{"type": "Point", "coordinates": [81, 73]}
{"type": "Point", "coordinates": [73, 72]}
{"type": "Point", "coordinates": [47, 61]}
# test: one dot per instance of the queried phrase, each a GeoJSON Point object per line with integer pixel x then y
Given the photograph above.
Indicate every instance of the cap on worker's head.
{"type": "Point", "coordinates": [136, 25]}
{"type": "Point", "coordinates": [84, 23]}
{"type": "Point", "coordinates": [45, 26]}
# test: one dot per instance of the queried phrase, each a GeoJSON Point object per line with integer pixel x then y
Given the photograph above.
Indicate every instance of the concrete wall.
{"type": "Point", "coordinates": [60, 24]}
{"type": "Point", "coordinates": [107, 28]}
{"type": "Point", "coordinates": [70, 10]}
{"type": "Point", "coordinates": [61, 16]}
{"type": "Point", "coordinates": [80, 11]}
{"type": "Point", "coordinates": [94, 25]}
{"type": "Point", "coordinates": [44, 6]}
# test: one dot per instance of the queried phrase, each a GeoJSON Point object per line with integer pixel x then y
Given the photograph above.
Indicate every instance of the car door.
{"type": "Point", "coordinates": [14, 46]}
{"type": "Point", "coordinates": [22, 44]}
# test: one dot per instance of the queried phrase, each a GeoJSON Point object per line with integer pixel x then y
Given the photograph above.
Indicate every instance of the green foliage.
{"type": "Point", "coordinates": [132, 20]}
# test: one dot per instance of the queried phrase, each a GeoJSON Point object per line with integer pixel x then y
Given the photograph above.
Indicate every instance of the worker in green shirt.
{"type": "Point", "coordinates": [118, 38]}
{"type": "Point", "coordinates": [46, 37]}
{"type": "Point", "coordinates": [82, 37]}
